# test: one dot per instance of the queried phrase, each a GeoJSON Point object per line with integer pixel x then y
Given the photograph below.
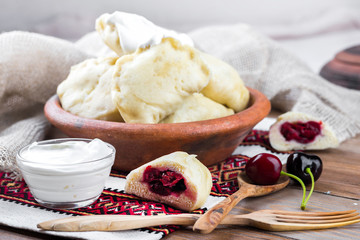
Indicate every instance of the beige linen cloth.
{"type": "Point", "coordinates": [32, 65]}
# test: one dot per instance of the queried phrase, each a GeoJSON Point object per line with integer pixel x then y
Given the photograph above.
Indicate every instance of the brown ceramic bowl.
{"type": "Point", "coordinates": [136, 144]}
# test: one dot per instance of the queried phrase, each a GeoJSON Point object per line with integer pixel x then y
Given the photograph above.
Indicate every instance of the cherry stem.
{"type": "Point", "coordinates": [303, 204]}
{"type": "Point", "coordinates": [304, 201]}
{"type": "Point", "coordinates": [308, 171]}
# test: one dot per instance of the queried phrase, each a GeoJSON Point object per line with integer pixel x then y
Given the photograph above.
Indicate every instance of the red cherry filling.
{"type": "Point", "coordinates": [301, 132]}
{"type": "Point", "coordinates": [165, 182]}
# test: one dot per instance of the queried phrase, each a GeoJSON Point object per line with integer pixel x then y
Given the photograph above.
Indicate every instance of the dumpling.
{"type": "Point", "coordinates": [177, 179]}
{"type": "Point", "coordinates": [299, 131]}
{"type": "Point", "coordinates": [152, 83]}
{"type": "Point", "coordinates": [86, 92]}
{"type": "Point", "coordinates": [125, 32]}
{"type": "Point", "coordinates": [197, 107]}
{"type": "Point", "coordinates": [109, 33]}
{"type": "Point", "coordinates": [225, 85]}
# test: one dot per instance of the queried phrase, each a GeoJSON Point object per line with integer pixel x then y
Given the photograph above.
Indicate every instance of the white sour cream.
{"type": "Point", "coordinates": [67, 152]}
{"type": "Point", "coordinates": [66, 172]}
{"type": "Point", "coordinates": [137, 32]}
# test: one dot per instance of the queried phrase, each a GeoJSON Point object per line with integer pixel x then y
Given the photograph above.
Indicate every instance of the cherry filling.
{"type": "Point", "coordinates": [165, 182]}
{"type": "Point", "coordinates": [301, 132]}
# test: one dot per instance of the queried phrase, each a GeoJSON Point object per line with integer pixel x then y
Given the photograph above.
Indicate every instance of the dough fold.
{"type": "Point", "coordinates": [225, 85]}
{"type": "Point", "coordinates": [197, 107]}
{"type": "Point", "coordinates": [86, 92]}
{"type": "Point", "coordinates": [152, 83]}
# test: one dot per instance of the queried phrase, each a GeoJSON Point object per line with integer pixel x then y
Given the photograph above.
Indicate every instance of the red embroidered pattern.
{"type": "Point", "coordinates": [114, 201]}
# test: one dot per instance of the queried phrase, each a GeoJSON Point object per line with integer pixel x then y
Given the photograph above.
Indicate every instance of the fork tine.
{"type": "Point", "coordinates": [294, 226]}
{"type": "Point", "coordinates": [278, 220]}
{"type": "Point", "coordinates": [312, 213]}
{"type": "Point", "coordinates": [315, 217]}
{"type": "Point", "coordinates": [324, 221]}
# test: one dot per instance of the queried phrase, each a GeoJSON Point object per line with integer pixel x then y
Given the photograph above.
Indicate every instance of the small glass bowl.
{"type": "Point", "coordinates": [66, 186]}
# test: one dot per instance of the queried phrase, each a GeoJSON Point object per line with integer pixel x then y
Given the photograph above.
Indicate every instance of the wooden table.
{"type": "Point", "coordinates": [337, 189]}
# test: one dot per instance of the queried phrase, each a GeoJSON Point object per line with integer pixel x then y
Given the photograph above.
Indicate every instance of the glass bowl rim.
{"type": "Point", "coordinates": [20, 158]}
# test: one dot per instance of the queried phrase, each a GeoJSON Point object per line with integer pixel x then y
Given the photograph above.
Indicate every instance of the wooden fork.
{"type": "Point", "coordinates": [272, 220]}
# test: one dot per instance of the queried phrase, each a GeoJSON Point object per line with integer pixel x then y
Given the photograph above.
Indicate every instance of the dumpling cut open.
{"type": "Point", "coordinates": [177, 179]}
{"type": "Point", "coordinates": [299, 131]}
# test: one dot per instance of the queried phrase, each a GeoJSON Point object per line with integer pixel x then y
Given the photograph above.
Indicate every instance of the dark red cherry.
{"type": "Point", "coordinates": [298, 162]}
{"type": "Point", "coordinates": [263, 169]}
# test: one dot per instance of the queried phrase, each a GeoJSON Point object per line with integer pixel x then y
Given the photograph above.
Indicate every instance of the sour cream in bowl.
{"type": "Point", "coordinates": [66, 173]}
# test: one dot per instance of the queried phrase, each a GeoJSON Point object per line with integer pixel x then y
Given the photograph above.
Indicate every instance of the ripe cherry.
{"type": "Point", "coordinates": [298, 162]}
{"type": "Point", "coordinates": [263, 169]}
{"type": "Point", "coordinates": [307, 168]}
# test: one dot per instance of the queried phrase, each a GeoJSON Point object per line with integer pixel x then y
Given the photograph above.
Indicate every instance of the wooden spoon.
{"type": "Point", "coordinates": [208, 221]}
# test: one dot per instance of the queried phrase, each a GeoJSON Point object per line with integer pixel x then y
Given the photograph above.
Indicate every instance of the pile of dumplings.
{"type": "Point", "coordinates": [168, 82]}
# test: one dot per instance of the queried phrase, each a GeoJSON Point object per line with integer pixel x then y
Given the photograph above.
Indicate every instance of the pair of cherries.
{"type": "Point", "coordinates": [265, 169]}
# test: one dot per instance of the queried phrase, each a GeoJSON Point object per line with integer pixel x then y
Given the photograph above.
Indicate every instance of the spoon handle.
{"type": "Point", "coordinates": [213, 217]}
{"type": "Point", "coordinates": [115, 222]}
{"type": "Point", "coordinates": [127, 222]}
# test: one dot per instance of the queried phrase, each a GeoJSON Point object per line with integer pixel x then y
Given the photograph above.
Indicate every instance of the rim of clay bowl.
{"type": "Point", "coordinates": [258, 108]}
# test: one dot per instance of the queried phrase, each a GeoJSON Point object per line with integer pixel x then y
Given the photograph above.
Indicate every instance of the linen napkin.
{"type": "Point", "coordinates": [32, 65]}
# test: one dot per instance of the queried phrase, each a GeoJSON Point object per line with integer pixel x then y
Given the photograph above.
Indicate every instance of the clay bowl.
{"type": "Point", "coordinates": [136, 144]}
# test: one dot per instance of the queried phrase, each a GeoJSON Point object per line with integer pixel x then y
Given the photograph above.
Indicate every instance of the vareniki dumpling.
{"type": "Point", "coordinates": [86, 92]}
{"type": "Point", "coordinates": [225, 85]}
{"type": "Point", "coordinates": [177, 179]}
{"type": "Point", "coordinates": [109, 33]}
{"type": "Point", "coordinates": [300, 131]}
{"type": "Point", "coordinates": [157, 76]}
{"type": "Point", "coordinates": [152, 83]}
{"type": "Point", "coordinates": [197, 107]}
{"type": "Point", "coordinates": [124, 32]}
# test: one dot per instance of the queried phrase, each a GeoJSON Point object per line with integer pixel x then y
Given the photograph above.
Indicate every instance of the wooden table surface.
{"type": "Point", "coordinates": [337, 189]}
